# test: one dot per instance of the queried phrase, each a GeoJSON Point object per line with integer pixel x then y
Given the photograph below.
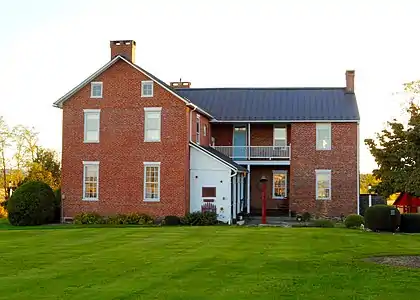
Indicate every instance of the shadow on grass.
{"type": "Point", "coordinates": [5, 225]}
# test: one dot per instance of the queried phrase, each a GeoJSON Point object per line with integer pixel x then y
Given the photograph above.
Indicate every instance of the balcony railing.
{"type": "Point", "coordinates": [255, 152]}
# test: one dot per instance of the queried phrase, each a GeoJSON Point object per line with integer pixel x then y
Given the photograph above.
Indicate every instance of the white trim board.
{"type": "Point", "coordinates": [263, 162]}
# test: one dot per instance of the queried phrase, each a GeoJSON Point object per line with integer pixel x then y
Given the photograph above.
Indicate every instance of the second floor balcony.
{"type": "Point", "coordinates": [255, 152]}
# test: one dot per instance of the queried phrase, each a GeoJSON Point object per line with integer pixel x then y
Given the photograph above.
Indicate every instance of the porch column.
{"type": "Point", "coordinates": [241, 191]}
{"type": "Point", "coordinates": [248, 186]}
{"type": "Point", "coordinates": [238, 192]}
{"type": "Point", "coordinates": [234, 192]}
{"type": "Point", "coordinates": [249, 140]}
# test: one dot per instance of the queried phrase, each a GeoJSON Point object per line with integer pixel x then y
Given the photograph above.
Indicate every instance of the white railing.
{"type": "Point", "coordinates": [253, 152]}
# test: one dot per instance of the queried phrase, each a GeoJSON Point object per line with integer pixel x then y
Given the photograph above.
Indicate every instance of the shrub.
{"type": "Point", "coordinates": [57, 204]}
{"type": "Point", "coordinates": [410, 223]}
{"type": "Point", "coordinates": [354, 221]}
{"type": "Point", "coordinates": [324, 223]}
{"type": "Point", "coordinates": [382, 218]}
{"type": "Point", "coordinates": [200, 218]}
{"type": "Point", "coordinates": [306, 216]}
{"type": "Point", "coordinates": [31, 204]}
{"type": "Point", "coordinates": [88, 219]}
{"type": "Point", "coordinates": [172, 220]}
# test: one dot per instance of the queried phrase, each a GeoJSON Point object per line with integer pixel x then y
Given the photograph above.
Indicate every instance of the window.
{"type": "Point", "coordinates": [197, 139]}
{"type": "Point", "coordinates": [96, 90]}
{"type": "Point", "coordinates": [91, 121]}
{"type": "Point", "coordinates": [152, 120]}
{"type": "Point", "coordinates": [280, 184]}
{"type": "Point", "coordinates": [147, 88]}
{"type": "Point", "coordinates": [152, 181]}
{"type": "Point", "coordinates": [280, 136]}
{"type": "Point", "coordinates": [323, 184]}
{"type": "Point", "coordinates": [205, 130]}
{"type": "Point", "coordinates": [208, 192]}
{"type": "Point", "coordinates": [90, 180]}
{"type": "Point", "coordinates": [323, 136]}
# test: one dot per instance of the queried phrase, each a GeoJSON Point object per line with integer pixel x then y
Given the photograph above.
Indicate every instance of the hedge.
{"type": "Point", "coordinates": [382, 218]}
{"type": "Point", "coordinates": [410, 223]}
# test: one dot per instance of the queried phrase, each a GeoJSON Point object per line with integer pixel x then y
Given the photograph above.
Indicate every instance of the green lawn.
{"type": "Point", "coordinates": [202, 263]}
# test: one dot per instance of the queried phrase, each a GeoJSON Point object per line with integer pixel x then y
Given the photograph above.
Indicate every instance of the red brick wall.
{"type": "Point", "coordinates": [204, 121]}
{"type": "Point", "coordinates": [341, 160]}
{"type": "Point", "coordinates": [122, 150]}
{"type": "Point", "coordinates": [223, 134]}
{"type": "Point", "coordinates": [256, 173]}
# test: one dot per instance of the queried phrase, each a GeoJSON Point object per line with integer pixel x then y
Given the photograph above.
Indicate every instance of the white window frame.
{"type": "Point", "coordinates": [86, 112]}
{"type": "Point", "coordinates": [91, 89]}
{"type": "Point", "coordinates": [151, 164]}
{"type": "Point", "coordinates": [323, 172]}
{"type": "Point", "coordinates": [198, 129]}
{"type": "Point", "coordinates": [90, 163]}
{"type": "Point", "coordinates": [205, 130]}
{"type": "Point", "coordinates": [323, 126]}
{"type": "Point", "coordinates": [273, 188]}
{"type": "Point", "coordinates": [153, 110]}
{"type": "Point", "coordinates": [274, 135]}
{"type": "Point", "coordinates": [143, 83]}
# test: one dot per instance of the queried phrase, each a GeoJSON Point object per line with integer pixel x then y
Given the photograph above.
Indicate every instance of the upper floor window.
{"type": "Point", "coordinates": [151, 181]}
{"type": "Point", "coordinates": [205, 130]}
{"type": "Point", "coordinates": [197, 139]}
{"type": "Point", "coordinates": [323, 136]}
{"type": "Point", "coordinates": [323, 184]}
{"type": "Point", "coordinates": [152, 124]}
{"type": "Point", "coordinates": [96, 89]}
{"type": "Point", "coordinates": [280, 136]}
{"type": "Point", "coordinates": [91, 125]}
{"type": "Point", "coordinates": [147, 88]}
{"type": "Point", "coordinates": [90, 180]}
{"type": "Point", "coordinates": [280, 184]}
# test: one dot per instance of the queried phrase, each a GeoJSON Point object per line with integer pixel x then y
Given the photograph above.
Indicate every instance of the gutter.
{"type": "Point", "coordinates": [191, 111]}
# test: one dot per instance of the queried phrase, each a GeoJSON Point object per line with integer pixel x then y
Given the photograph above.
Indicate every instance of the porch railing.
{"type": "Point", "coordinates": [255, 152]}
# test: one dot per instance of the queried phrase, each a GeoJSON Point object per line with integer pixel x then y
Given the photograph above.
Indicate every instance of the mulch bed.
{"type": "Point", "coordinates": [399, 261]}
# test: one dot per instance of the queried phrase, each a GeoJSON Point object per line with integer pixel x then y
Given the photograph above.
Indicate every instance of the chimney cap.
{"type": "Point", "coordinates": [123, 42]}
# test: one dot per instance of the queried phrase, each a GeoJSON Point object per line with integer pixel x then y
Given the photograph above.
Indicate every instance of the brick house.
{"type": "Point", "coordinates": [132, 143]}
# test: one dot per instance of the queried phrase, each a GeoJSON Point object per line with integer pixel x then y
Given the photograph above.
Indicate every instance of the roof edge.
{"type": "Point", "coordinates": [200, 148]}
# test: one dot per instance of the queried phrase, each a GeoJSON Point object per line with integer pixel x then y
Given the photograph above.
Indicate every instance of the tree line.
{"type": "Point", "coordinates": [22, 159]}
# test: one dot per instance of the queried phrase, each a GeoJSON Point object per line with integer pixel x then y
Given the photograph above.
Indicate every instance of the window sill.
{"type": "Point", "coordinates": [279, 198]}
{"type": "Point", "coordinates": [91, 142]}
{"type": "Point", "coordinates": [149, 141]}
{"type": "Point", "coordinates": [321, 199]}
{"type": "Point", "coordinates": [146, 96]}
{"type": "Point", "coordinates": [323, 149]}
{"type": "Point", "coordinates": [151, 200]}
{"type": "Point", "coordinates": [90, 199]}
{"type": "Point", "coordinates": [96, 97]}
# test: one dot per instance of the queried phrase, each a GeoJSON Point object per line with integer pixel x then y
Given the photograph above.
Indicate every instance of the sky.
{"type": "Point", "coordinates": [48, 47]}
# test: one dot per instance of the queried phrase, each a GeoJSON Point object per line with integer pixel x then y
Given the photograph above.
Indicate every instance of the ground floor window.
{"type": "Point", "coordinates": [90, 180]}
{"type": "Point", "coordinates": [323, 184]}
{"type": "Point", "coordinates": [280, 184]}
{"type": "Point", "coordinates": [151, 181]}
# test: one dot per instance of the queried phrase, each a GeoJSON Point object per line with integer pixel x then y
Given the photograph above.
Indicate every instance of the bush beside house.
{"type": "Point", "coordinates": [354, 221]}
{"type": "Point", "coordinates": [382, 218]}
{"type": "Point", "coordinates": [410, 223]}
{"type": "Point", "coordinates": [33, 203]}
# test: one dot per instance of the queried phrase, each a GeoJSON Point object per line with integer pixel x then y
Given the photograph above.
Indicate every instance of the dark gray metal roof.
{"type": "Point", "coordinates": [277, 104]}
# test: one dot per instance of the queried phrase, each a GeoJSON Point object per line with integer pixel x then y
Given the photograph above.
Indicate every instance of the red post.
{"type": "Point", "coordinates": [264, 204]}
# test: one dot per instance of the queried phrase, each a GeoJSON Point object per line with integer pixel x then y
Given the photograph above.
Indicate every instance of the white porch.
{"type": "Point", "coordinates": [255, 152]}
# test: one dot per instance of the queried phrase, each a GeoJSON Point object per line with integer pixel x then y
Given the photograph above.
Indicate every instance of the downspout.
{"type": "Point", "coordinates": [231, 196]}
{"type": "Point", "coordinates": [358, 169]}
{"type": "Point", "coordinates": [191, 111]}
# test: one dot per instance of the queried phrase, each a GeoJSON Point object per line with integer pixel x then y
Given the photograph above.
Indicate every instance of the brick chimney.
{"type": "Point", "coordinates": [350, 81]}
{"type": "Point", "coordinates": [125, 48]}
{"type": "Point", "coordinates": [180, 84]}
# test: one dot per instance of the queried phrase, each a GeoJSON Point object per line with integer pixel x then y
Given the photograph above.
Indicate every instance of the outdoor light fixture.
{"type": "Point", "coordinates": [263, 182]}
